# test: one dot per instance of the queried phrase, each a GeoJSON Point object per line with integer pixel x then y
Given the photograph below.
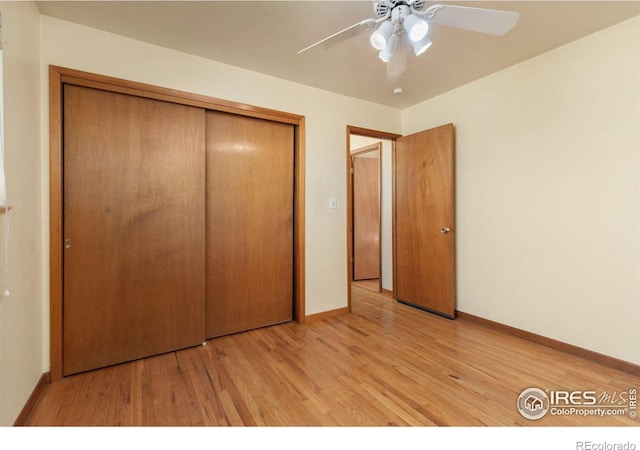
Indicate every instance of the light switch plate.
{"type": "Point", "coordinates": [333, 203]}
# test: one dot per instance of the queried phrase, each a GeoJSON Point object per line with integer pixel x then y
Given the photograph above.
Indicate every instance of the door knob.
{"type": "Point", "coordinates": [445, 230]}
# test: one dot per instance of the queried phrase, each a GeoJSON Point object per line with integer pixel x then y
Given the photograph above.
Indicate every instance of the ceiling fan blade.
{"type": "Point", "coordinates": [481, 20]}
{"type": "Point", "coordinates": [353, 29]}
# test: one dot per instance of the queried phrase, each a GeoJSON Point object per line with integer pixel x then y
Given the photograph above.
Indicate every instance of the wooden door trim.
{"type": "Point", "coordinates": [86, 79]}
{"type": "Point", "coordinates": [368, 132]}
{"type": "Point", "coordinates": [58, 76]}
{"type": "Point", "coordinates": [367, 149]}
{"type": "Point", "coordinates": [376, 135]}
{"type": "Point", "coordinates": [55, 224]}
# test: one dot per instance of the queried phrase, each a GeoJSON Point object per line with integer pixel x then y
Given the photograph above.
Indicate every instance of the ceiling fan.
{"type": "Point", "coordinates": [410, 20]}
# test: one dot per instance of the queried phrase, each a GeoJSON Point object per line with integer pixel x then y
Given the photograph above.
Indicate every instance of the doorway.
{"type": "Point", "coordinates": [366, 201]}
{"type": "Point", "coordinates": [421, 173]}
{"type": "Point", "coordinates": [362, 145]}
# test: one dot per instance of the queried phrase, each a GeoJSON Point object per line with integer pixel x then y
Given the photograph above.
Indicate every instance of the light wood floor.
{"type": "Point", "coordinates": [383, 364]}
{"type": "Point", "coordinates": [370, 285]}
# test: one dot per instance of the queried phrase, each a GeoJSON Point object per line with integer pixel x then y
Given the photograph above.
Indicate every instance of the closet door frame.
{"type": "Point", "coordinates": [60, 76]}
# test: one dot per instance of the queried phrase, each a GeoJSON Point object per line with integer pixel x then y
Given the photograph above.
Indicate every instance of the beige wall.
{"type": "Point", "coordinates": [548, 191]}
{"type": "Point", "coordinates": [327, 115]}
{"type": "Point", "coordinates": [21, 314]}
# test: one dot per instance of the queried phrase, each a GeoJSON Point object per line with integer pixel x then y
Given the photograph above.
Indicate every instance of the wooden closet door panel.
{"type": "Point", "coordinates": [134, 219]}
{"type": "Point", "coordinates": [249, 223]}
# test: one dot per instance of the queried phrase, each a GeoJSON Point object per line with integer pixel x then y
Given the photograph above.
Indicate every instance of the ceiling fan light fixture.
{"type": "Point", "coordinates": [380, 38]}
{"type": "Point", "coordinates": [387, 53]}
{"type": "Point", "coordinates": [416, 27]}
{"type": "Point", "coordinates": [421, 46]}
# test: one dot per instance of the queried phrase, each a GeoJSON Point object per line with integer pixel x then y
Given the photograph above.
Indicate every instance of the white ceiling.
{"type": "Point", "coordinates": [265, 36]}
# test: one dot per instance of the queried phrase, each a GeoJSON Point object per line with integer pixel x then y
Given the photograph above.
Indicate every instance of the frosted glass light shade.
{"type": "Point", "coordinates": [380, 38]}
{"type": "Point", "coordinates": [416, 27]}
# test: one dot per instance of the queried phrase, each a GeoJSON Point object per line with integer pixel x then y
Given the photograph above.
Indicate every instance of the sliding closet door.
{"type": "Point", "coordinates": [249, 223]}
{"type": "Point", "coordinates": [133, 226]}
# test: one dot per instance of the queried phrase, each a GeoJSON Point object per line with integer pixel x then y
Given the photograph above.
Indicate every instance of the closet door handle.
{"type": "Point", "coordinates": [445, 230]}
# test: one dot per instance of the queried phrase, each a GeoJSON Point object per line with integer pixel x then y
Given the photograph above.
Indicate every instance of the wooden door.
{"type": "Point", "coordinates": [249, 223]}
{"type": "Point", "coordinates": [366, 217]}
{"type": "Point", "coordinates": [133, 227]}
{"type": "Point", "coordinates": [425, 220]}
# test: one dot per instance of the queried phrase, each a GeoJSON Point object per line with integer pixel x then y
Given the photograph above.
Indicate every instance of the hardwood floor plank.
{"type": "Point", "coordinates": [135, 411]}
{"type": "Point", "coordinates": [385, 364]}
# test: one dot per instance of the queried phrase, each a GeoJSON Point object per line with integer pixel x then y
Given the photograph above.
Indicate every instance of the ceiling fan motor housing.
{"type": "Point", "coordinates": [381, 9]}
